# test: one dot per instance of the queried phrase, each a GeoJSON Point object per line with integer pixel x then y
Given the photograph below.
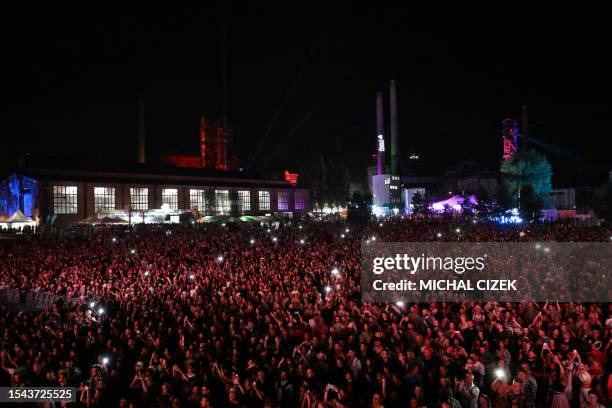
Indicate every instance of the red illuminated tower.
{"type": "Point", "coordinates": [510, 136]}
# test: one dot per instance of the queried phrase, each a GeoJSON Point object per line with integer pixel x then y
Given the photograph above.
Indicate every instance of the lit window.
{"type": "Point", "coordinates": [197, 199]}
{"type": "Point", "coordinates": [170, 197]}
{"type": "Point", "coordinates": [222, 201]}
{"type": "Point", "coordinates": [65, 199]}
{"type": "Point", "coordinates": [264, 200]}
{"type": "Point", "coordinates": [300, 200]}
{"type": "Point", "coordinates": [104, 198]}
{"type": "Point", "coordinates": [245, 200]}
{"type": "Point", "coordinates": [283, 200]}
{"type": "Point", "coordinates": [139, 198]}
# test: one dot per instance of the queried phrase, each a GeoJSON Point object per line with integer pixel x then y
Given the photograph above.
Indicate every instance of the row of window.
{"type": "Point", "coordinates": [65, 199]}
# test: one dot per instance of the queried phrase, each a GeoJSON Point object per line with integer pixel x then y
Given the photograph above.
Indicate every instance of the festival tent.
{"type": "Point", "coordinates": [18, 220]}
{"type": "Point", "coordinates": [454, 202]}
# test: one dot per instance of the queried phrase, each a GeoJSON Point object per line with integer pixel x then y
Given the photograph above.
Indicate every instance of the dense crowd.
{"type": "Point", "coordinates": [215, 315]}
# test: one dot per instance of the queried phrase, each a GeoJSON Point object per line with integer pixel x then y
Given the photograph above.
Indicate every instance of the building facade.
{"type": "Point", "coordinates": [66, 196]}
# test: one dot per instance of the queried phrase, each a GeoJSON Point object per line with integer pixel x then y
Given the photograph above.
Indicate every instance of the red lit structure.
{"type": "Point", "coordinates": [292, 178]}
{"type": "Point", "coordinates": [215, 140]}
{"type": "Point", "coordinates": [510, 137]}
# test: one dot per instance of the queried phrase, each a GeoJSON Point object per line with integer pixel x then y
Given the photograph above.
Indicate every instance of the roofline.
{"type": "Point", "coordinates": [144, 178]}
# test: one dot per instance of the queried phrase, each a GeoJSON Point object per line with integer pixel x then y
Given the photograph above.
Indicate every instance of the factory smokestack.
{"type": "Point", "coordinates": [380, 138]}
{"type": "Point", "coordinates": [394, 130]}
{"type": "Point", "coordinates": [141, 130]}
{"type": "Point", "coordinates": [525, 127]}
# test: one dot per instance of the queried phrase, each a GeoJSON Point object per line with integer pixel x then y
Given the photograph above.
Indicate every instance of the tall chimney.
{"type": "Point", "coordinates": [525, 127]}
{"type": "Point", "coordinates": [141, 156]}
{"type": "Point", "coordinates": [394, 130]}
{"type": "Point", "coordinates": [380, 137]}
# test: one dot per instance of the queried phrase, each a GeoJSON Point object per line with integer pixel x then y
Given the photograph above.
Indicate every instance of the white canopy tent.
{"type": "Point", "coordinates": [18, 220]}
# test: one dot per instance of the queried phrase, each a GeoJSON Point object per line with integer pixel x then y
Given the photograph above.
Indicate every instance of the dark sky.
{"type": "Point", "coordinates": [303, 80]}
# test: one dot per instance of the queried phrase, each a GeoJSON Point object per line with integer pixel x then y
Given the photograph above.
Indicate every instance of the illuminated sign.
{"type": "Point", "coordinates": [381, 143]}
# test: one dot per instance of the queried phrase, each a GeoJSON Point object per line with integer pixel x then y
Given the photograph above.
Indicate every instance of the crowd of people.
{"type": "Point", "coordinates": [251, 315]}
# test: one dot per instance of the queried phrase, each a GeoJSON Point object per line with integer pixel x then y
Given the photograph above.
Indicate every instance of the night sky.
{"type": "Point", "coordinates": [303, 78]}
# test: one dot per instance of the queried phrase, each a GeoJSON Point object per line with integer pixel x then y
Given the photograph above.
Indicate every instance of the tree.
{"type": "Point", "coordinates": [467, 208]}
{"type": "Point", "coordinates": [485, 206]}
{"type": "Point", "coordinates": [528, 168]}
{"type": "Point", "coordinates": [358, 211]}
{"type": "Point", "coordinates": [503, 197]}
{"type": "Point", "coordinates": [328, 181]}
{"type": "Point", "coordinates": [531, 205]}
{"type": "Point", "coordinates": [448, 212]}
{"type": "Point", "coordinates": [421, 204]}
{"type": "Point", "coordinates": [603, 204]}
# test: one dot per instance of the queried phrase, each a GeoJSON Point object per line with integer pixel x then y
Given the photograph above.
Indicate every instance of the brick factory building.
{"type": "Point", "coordinates": [62, 192]}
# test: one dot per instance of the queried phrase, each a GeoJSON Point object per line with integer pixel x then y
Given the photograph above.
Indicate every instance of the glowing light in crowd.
{"type": "Point", "coordinates": [547, 249]}
{"type": "Point", "coordinates": [300, 227]}
{"type": "Point", "coordinates": [146, 273]}
{"type": "Point", "coordinates": [347, 230]}
{"type": "Point", "coordinates": [92, 304]}
{"type": "Point", "coordinates": [399, 304]}
{"type": "Point", "coordinates": [439, 235]}
{"type": "Point", "coordinates": [328, 289]}
{"type": "Point", "coordinates": [373, 238]}
{"type": "Point", "coordinates": [511, 217]}
{"type": "Point", "coordinates": [274, 239]}
{"type": "Point", "coordinates": [335, 271]}
{"type": "Point", "coordinates": [458, 230]}
{"type": "Point", "coordinates": [500, 373]}
{"type": "Point", "coordinates": [105, 360]}
{"type": "Point", "coordinates": [220, 258]}
{"type": "Point", "coordinates": [192, 276]}
{"type": "Point", "coordinates": [252, 241]}
{"type": "Point", "coordinates": [302, 241]}
{"type": "Point", "coordinates": [342, 235]}
{"type": "Point", "coordinates": [268, 230]}
{"type": "Point", "coordinates": [133, 251]}
{"type": "Point", "coordinates": [114, 239]}
{"type": "Point", "coordinates": [538, 246]}
{"type": "Point", "coordinates": [101, 311]}
{"type": "Point", "coordinates": [380, 225]}
{"type": "Point", "coordinates": [223, 225]}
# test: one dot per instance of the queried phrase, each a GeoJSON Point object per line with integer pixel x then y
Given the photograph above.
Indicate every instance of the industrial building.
{"type": "Point", "coordinates": [386, 186]}
{"type": "Point", "coordinates": [61, 192]}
